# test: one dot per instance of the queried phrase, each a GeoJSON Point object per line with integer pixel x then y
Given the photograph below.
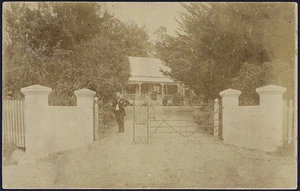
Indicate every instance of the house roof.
{"type": "Point", "coordinates": [145, 69]}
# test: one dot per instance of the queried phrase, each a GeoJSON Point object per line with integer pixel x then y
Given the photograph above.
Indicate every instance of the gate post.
{"type": "Point", "coordinates": [133, 119]}
{"type": "Point", "coordinates": [216, 118]}
{"type": "Point", "coordinates": [96, 119]}
{"type": "Point", "coordinates": [36, 117]}
{"type": "Point", "coordinates": [85, 101]}
{"type": "Point", "coordinates": [290, 123]}
{"type": "Point", "coordinates": [272, 107]}
{"type": "Point", "coordinates": [148, 119]}
{"type": "Point", "coordinates": [230, 101]}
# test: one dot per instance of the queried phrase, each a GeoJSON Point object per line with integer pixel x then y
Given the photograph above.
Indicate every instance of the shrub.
{"type": "Point", "coordinates": [178, 99]}
{"type": "Point", "coordinates": [204, 117]}
{"type": "Point", "coordinates": [165, 101]}
{"type": "Point", "coordinates": [108, 116]}
{"type": "Point", "coordinates": [195, 100]}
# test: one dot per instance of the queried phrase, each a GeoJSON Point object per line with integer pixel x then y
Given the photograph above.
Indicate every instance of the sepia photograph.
{"type": "Point", "coordinates": [149, 95]}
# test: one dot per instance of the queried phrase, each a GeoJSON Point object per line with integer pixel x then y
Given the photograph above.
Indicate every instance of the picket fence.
{"type": "Point", "coordinates": [289, 126]}
{"type": "Point", "coordinates": [13, 122]}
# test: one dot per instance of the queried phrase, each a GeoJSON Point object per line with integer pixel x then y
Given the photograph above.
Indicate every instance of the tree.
{"type": "Point", "coordinates": [81, 21]}
{"type": "Point", "coordinates": [133, 39]}
{"type": "Point", "coordinates": [161, 37]}
{"type": "Point", "coordinates": [215, 39]}
{"type": "Point", "coordinates": [279, 34]}
{"type": "Point", "coordinates": [37, 39]}
{"type": "Point", "coordinates": [252, 76]}
{"type": "Point", "coordinates": [43, 42]}
{"type": "Point", "coordinates": [99, 65]}
{"type": "Point", "coordinates": [24, 67]}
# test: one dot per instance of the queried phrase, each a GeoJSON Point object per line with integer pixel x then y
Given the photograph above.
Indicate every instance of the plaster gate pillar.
{"type": "Point", "coordinates": [36, 116]}
{"type": "Point", "coordinates": [271, 104]}
{"type": "Point", "coordinates": [230, 101]}
{"type": "Point", "coordinates": [85, 102]}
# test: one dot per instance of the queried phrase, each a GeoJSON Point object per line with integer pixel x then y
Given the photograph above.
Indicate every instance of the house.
{"type": "Point", "coordinates": [147, 78]}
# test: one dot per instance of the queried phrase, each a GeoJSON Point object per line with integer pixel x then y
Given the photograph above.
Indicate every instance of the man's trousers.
{"type": "Point", "coordinates": [120, 120]}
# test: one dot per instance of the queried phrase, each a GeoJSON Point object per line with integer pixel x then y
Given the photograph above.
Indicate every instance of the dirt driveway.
{"type": "Point", "coordinates": [199, 161]}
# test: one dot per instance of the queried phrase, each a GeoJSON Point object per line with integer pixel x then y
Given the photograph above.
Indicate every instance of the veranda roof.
{"type": "Point", "coordinates": [145, 69]}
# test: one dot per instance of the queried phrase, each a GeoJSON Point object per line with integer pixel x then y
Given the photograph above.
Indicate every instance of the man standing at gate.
{"type": "Point", "coordinates": [118, 106]}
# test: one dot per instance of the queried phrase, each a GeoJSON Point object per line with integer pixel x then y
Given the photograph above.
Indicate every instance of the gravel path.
{"type": "Point", "coordinates": [199, 161]}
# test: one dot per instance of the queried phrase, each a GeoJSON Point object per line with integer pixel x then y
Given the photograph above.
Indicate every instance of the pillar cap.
{"type": "Point", "coordinates": [84, 92]}
{"type": "Point", "coordinates": [271, 89]}
{"type": "Point", "coordinates": [230, 92]}
{"type": "Point", "coordinates": [38, 89]}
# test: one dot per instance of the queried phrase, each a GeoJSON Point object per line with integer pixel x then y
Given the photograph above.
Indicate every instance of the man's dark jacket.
{"type": "Point", "coordinates": [122, 104]}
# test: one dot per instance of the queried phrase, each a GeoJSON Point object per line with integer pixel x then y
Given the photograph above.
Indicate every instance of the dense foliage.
{"type": "Point", "coordinates": [67, 46]}
{"type": "Point", "coordinates": [231, 45]}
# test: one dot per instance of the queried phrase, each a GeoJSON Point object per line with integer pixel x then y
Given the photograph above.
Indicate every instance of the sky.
{"type": "Point", "coordinates": [148, 14]}
{"type": "Point", "coordinates": [151, 15]}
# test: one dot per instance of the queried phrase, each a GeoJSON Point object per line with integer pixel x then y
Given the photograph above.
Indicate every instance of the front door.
{"type": "Point", "coordinates": [154, 91]}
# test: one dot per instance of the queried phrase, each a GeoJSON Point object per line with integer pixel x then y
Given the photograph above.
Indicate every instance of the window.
{"type": "Point", "coordinates": [170, 89]}
{"type": "Point", "coordinates": [130, 88]}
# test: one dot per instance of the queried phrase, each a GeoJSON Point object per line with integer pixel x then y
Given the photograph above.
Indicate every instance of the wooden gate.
{"type": "Point", "coordinates": [186, 120]}
{"type": "Point", "coordinates": [150, 119]}
{"type": "Point", "coordinates": [13, 128]}
{"type": "Point", "coordinates": [141, 120]}
{"type": "Point", "coordinates": [98, 118]}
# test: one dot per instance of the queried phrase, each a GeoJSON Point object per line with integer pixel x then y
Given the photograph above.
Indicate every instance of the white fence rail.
{"type": "Point", "coordinates": [289, 126]}
{"type": "Point", "coordinates": [13, 128]}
